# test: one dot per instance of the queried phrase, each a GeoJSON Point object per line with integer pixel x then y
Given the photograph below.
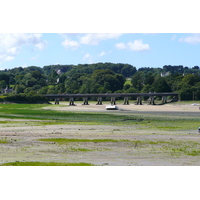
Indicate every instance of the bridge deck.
{"type": "Point", "coordinates": [110, 95]}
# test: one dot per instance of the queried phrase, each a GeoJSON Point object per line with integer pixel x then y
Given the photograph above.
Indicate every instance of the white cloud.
{"type": "Point", "coordinates": [120, 46]}
{"type": "Point", "coordinates": [40, 46]}
{"type": "Point", "coordinates": [8, 58]}
{"type": "Point", "coordinates": [193, 39]}
{"type": "Point", "coordinates": [70, 44]}
{"type": "Point", "coordinates": [136, 45]}
{"type": "Point", "coordinates": [103, 53]}
{"type": "Point", "coordinates": [12, 43]}
{"type": "Point", "coordinates": [95, 38]}
{"type": "Point", "coordinates": [173, 38]}
{"type": "Point", "coordinates": [86, 39]}
{"type": "Point", "coordinates": [88, 57]}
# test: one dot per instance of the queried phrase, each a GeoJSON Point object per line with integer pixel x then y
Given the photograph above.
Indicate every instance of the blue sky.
{"type": "Point", "coordinates": [137, 49]}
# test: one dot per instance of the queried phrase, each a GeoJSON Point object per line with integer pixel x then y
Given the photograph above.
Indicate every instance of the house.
{"type": "Point", "coordinates": [6, 90]}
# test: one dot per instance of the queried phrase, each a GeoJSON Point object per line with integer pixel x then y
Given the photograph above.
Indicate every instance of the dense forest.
{"type": "Point", "coordinates": [102, 78]}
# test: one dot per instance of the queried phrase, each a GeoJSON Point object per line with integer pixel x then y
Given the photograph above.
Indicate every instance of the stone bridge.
{"type": "Point", "coordinates": [112, 96]}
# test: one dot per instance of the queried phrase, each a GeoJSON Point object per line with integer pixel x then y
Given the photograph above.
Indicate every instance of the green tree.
{"type": "Point", "coordinates": [188, 79]}
{"type": "Point", "coordinates": [19, 89]}
{"type": "Point", "coordinates": [3, 84]}
{"type": "Point", "coordinates": [43, 90]}
{"type": "Point", "coordinates": [108, 79]}
{"type": "Point", "coordinates": [186, 93]}
{"type": "Point", "coordinates": [128, 71]}
{"type": "Point", "coordinates": [138, 80]}
{"type": "Point", "coordinates": [160, 85]}
{"type": "Point", "coordinates": [5, 77]}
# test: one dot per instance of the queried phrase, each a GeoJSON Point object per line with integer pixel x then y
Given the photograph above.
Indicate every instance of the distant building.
{"type": "Point", "coordinates": [165, 74]}
{"type": "Point", "coordinates": [6, 90]}
{"type": "Point", "coordinates": [58, 71]}
{"type": "Point", "coordinates": [61, 71]}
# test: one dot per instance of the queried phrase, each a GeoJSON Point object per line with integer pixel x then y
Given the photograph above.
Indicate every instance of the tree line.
{"type": "Point", "coordinates": [102, 78]}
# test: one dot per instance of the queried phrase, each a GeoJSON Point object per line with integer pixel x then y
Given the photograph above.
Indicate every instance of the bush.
{"type": "Point", "coordinates": [24, 98]}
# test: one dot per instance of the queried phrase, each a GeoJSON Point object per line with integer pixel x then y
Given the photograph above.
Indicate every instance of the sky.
{"type": "Point", "coordinates": [137, 49]}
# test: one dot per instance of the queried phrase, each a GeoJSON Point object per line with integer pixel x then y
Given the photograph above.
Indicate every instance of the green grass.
{"type": "Point", "coordinates": [3, 141]}
{"type": "Point", "coordinates": [80, 149]}
{"type": "Point", "coordinates": [66, 140]}
{"type": "Point", "coordinates": [174, 148]}
{"type": "Point", "coordinates": [17, 163]}
{"type": "Point", "coordinates": [29, 111]}
{"type": "Point", "coordinates": [140, 121]}
{"type": "Point", "coordinates": [128, 81]}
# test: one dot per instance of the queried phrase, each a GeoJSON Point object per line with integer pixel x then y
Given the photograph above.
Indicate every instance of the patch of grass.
{"type": "Point", "coordinates": [17, 163]}
{"type": "Point", "coordinates": [4, 122]}
{"type": "Point", "coordinates": [66, 140]}
{"type": "Point", "coordinates": [146, 143]}
{"type": "Point", "coordinates": [3, 141]}
{"type": "Point", "coordinates": [193, 153]}
{"type": "Point", "coordinates": [169, 128]}
{"type": "Point", "coordinates": [80, 149]}
{"type": "Point", "coordinates": [175, 148]}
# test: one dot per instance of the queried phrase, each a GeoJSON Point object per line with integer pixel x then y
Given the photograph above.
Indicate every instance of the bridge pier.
{"type": "Point", "coordinates": [139, 100]}
{"type": "Point", "coordinates": [71, 101]}
{"type": "Point", "coordinates": [126, 96]}
{"type": "Point", "coordinates": [56, 101]}
{"type": "Point", "coordinates": [99, 101]}
{"type": "Point", "coordinates": [164, 99]}
{"type": "Point", "coordinates": [112, 101]}
{"type": "Point", "coordinates": [85, 101]}
{"type": "Point", "coordinates": [126, 102]}
{"type": "Point", "coordinates": [152, 100]}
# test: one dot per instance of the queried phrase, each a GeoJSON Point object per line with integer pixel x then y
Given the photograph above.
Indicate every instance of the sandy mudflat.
{"type": "Point", "coordinates": [132, 107]}
{"type": "Point", "coordinates": [24, 146]}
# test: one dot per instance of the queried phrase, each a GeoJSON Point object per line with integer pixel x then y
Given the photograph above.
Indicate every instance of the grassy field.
{"type": "Point", "coordinates": [47, 117]}
{"type": "Point", "coordinates": [45, 164]}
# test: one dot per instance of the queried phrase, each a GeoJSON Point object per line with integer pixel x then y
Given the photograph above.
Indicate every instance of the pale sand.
{"type": "Point", "coordinates": [132, 107]}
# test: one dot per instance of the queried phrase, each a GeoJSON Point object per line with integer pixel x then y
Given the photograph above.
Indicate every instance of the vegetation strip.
{"type": "Point", "coordinates": [3, 141]}
{"type": "Point", "coordinates": [66, 140]}
{"type": "Point", "coordinates": [189, 148]}
{"type": "Point", "coordinates": [49, 117]}
{"type": "Point", "coordinates": [17, 163]}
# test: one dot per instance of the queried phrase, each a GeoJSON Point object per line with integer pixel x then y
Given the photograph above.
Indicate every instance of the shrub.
{"type": "Point", "coordinates": [24, 98]}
